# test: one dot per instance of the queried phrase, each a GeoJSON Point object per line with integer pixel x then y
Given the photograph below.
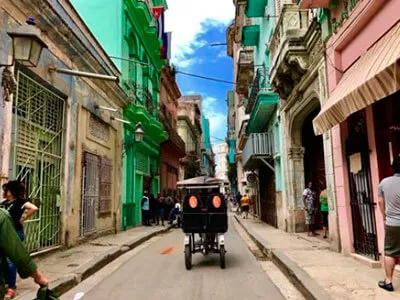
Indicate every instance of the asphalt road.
{"type": "Point", "coordinates": [157, 271]}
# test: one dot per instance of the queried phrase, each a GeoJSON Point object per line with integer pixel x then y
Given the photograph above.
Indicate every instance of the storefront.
{"type": "Point", "coordinates": [362, 113]}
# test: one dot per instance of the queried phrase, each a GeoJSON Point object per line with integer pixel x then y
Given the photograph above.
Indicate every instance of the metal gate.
{"type": "Point", "coordinates": [37, 143]}
{"type": "Point", "coordinates": [362, 205]}
{"type": "Point", "coordinates": [90, 192]}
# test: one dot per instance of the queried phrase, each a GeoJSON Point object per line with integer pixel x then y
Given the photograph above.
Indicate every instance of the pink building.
{"type": "Point", "coordinates": [363, 114]}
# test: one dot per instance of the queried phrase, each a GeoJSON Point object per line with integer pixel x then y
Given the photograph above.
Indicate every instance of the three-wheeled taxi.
{"type": "Point", "coordinates": [204, 218]}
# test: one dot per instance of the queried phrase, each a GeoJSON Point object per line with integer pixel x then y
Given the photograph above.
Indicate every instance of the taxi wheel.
{"type": "Point", "coordinates": [222, 257]}
{"type": "Point", "coordinates": [188, 257]}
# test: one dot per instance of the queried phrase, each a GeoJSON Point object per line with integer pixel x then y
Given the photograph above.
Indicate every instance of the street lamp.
{"type": "Point", "coordinates": [27, 44]}
{"type": "Point", "coordinates": [139, 133]}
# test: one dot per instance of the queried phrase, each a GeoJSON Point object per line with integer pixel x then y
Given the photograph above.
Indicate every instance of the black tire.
{"type": "Point", "coordinates": [222, 257]}
{"type": "Point", "coordinates": [188, 257]}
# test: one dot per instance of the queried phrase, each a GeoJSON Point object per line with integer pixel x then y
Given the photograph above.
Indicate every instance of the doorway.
{"type": "Point", "coordinates": [362, 204]}
{"type": "Point", "coordinates": [267, 195]}
{"type": "Point", "coordinates": [314, 162]}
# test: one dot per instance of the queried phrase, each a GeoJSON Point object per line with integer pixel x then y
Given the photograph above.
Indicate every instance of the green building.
{"type": "Point", "coordinates": [208, 160]}
{"type": "Point", "coordinates": [128, 31]}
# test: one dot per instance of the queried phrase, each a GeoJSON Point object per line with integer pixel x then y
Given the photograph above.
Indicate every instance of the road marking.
{"type": "Point", "coordinates": [166, 251]}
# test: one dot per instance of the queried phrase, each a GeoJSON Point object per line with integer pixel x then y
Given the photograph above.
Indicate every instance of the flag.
{"type": "Point", "coordinates": [158, 13]}
{"type": "Point", "coordinates": [165, 52]}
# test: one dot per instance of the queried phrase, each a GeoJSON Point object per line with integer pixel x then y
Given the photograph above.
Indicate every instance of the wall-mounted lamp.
{"type": "Point", "coordinates": [27, 44]}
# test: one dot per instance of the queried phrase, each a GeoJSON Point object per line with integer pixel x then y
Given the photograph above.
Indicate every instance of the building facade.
{"type": "Point", "coordinates": [222, 165]}
{"type": "Point", "coordinates": [231, 141]}
{"type": "Point", "coordinates": [243, 66]}
{"type": "Point", "coordinates": [361, 113]}
{"type": "Point", "coordinates": [128, 34]}
{"type": "Point", "coordinates": [173, 149]}
{"type": "Point", "coordinates": [261, 153]}
{"type": "Point", "coordinates": [298, 75]}
{"type": "Point", "coordinates": [190, 130]}
{"type": "Point", "coordinates": [208, 160]}
{"type": "Point", "coordinates": [55, 138]}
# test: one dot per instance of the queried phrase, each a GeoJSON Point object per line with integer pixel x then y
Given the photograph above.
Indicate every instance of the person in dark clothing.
{"type": "Point", "coordinates": [20, 210]}
{"type": "Point", "coordinates": [160, 209]}
{"type": "Point", "coordinates": [153, 207]}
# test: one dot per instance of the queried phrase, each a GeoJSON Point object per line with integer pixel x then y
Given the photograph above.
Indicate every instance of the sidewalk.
{"type": "Point", "coordinates": [65, 269]}
{"type": "Point", "coordinates": [314, 269]}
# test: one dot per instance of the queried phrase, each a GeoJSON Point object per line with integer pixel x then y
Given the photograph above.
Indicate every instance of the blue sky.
{"type": "Point", "coordinates": [195, 25]}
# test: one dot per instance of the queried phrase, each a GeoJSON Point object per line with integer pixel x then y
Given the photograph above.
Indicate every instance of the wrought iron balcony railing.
{"type": "Point", "coordinates": [254, 90]}
{"type": "Point", "coordinates": [258, 145]}
{"type": "Point", "coordinates": [139, 95]}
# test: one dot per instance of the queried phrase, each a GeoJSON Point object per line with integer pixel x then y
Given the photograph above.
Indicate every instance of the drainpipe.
{"type": "Point", "coordinates": [84, 74]}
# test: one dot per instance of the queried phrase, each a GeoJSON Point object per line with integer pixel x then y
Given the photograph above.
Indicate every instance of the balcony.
{"type": "Point", "coordinates": [260, 105]}
{"type": "Point", "coordinates": [306, 4]}
{"type": "Point", "coordinates": [245, 71]}
{"type": "Point", "coordinates": [139, 95]}
{"type": "Point", "coordinates": [256, 8]}
{"type": "Point", "coordinates": [251, 35]}
{"type": "Point", "coordinates": [289, 49]}
{"type": "Point", "coordinates": [242, 135]}
{"type": "Point", "coordinates": [259, 147]}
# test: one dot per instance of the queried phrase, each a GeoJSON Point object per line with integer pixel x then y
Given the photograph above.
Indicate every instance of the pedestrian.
{"type": "Point", "coordinates": [389, 204]}
{"type": "Point", "coordinates": [238, 199]}
{"type": "Point", "coordinates": [245, 206]}
{"type": "Point", "coordinates": [146, 209]}
{"type": "Point", "coordinates": [323, 198]}
{"type": "Point", "coordinates": [12, 248]}
{"type": "Point", "coordinates": [160, 209]}
{"type": "Point", "coordinates": [20, 210]}
{"type": "Point", "coordinates": [309, 207]}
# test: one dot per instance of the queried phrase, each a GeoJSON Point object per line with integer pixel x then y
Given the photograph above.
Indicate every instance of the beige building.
{"type": "Point", "coordinates": [298, 74]}
{"type": "Point", "coordinates": [190, 130]}
{"type": "Point", "coordinates": [56, 135]}
{"type": "Point", "coordinates": [222, 161]}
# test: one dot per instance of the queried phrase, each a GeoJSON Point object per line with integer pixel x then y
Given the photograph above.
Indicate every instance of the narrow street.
{"type": "Point", "coordinates": [157, 271]}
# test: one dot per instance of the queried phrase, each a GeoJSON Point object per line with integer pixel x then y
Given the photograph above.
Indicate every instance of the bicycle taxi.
{"type": "Point", "coordinates": [205, 219]}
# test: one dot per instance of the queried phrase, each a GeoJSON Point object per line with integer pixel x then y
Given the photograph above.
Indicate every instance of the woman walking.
{"type": "Point", "coordinates": [20, 210]}
{"type": "Point", "coordinates": [323, 198]}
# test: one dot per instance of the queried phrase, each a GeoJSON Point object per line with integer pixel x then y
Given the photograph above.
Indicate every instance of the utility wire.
{"type": "Point", "coordinates": [206, 77]}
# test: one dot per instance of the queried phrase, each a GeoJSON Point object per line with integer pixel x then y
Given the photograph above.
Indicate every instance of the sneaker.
{"type": "Point", "coordinates": [386, 286]}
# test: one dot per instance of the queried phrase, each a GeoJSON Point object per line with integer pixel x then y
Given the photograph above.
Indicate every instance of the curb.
{"type": "Point", "coordinates": [308, 287]}
{"type": "Point", "coordinates": [64, 284]}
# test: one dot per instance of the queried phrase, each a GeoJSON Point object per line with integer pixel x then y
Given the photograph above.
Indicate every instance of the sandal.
{"type": "Point", "coordinates": [10, 294]}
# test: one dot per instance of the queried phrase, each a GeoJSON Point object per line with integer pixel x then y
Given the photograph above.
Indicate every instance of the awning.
{"type": "Point", "coordinates": [374, 76]}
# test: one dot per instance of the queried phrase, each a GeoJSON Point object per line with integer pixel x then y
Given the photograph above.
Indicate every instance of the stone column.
{"type": "Point", "coordinates": [295, 188]}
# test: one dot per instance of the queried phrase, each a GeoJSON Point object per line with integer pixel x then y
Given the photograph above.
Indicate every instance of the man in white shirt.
{"type": "Point", "coordinates": [146, 209]}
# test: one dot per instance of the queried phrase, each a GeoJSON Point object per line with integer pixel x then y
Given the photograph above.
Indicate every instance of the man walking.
{"type": "Point", "coordinates": [389, 204]}
{"type": "Point", "coordinates": [309, 207]}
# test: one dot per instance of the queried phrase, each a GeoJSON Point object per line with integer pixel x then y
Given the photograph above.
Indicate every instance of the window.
{"type": "Point", "coordinates": [105, 185]}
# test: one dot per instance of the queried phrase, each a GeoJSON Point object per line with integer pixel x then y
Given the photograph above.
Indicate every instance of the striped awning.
{"type": "Point", "coordinates": [374, 76]}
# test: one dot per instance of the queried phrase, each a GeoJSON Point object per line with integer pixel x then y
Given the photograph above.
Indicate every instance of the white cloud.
{"type": "Point", "coordinates": [222, 54]}
{"type": "Point", "coordinates": [217, 119]}
{"type": "Point", "coordinates": [189, 18]}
